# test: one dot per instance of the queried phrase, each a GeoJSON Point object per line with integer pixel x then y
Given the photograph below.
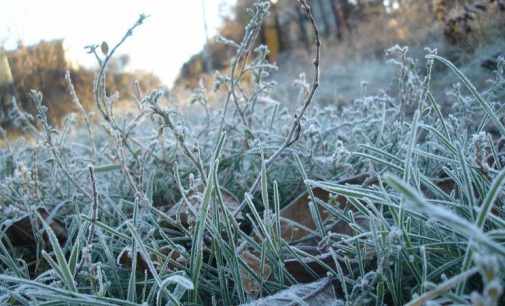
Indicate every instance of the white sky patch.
{"type": "Point", "coordinates": [172, 34]}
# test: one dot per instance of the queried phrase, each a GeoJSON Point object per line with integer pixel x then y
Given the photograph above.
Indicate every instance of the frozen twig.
{"type": "Point", "coordinates": [94, 208]}
{"type": "Point", "coordinates": [100, 93]}
{"type": "Point", "coordinates": [42, 116]}
{"type": "Point", "coordinates": [243, 51]}
{"type": "Point", "coordinates": [295, 130]}
{"type": "Point", "coordinates": [179, 137]}
{"type": "Point", "coordinates": [77, 103]}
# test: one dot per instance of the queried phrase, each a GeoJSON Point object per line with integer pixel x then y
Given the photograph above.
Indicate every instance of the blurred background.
{"type": "Point", "coordinates": [177, 46]}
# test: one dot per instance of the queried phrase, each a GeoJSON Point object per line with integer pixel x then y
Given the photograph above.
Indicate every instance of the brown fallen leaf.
{"type": "Point", "coordinates": [21, 232]}
{"type": "Point", "coordinates": [249, 283]}
{"type": "Point", "coordinates": [299, 271]}
{"type": "Point", "coordinates": [447, 185]}
{"type": "Point", "coordinates": [319, 264]}
{"type": "Point", "coordinates": [297, 221]}
{"type": "Point", "coordinates": [125, 259]}
{"type": "Point", "coordinates": [296, 218]}
{"type": "Point", "coordinates": [320, 293]}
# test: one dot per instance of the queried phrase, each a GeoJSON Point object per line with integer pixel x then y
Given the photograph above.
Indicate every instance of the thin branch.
{"type": "Point", "coordinates": [36, 96]}
{"type": "Point", "coordinates": [295, 131]}
{"type": "Point", "coordinates": [100, 93]}
{"type": "Point", "coordinates": [180, 140]}
{"type": "Point", "coordinates": [77, 103]}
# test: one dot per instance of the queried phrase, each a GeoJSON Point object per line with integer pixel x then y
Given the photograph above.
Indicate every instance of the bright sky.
{"type": "Point", "coordinates": [174, 31]}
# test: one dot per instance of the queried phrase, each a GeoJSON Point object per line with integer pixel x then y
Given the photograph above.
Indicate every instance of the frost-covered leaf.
{"type": "Point", "coordinates": [321, 293]}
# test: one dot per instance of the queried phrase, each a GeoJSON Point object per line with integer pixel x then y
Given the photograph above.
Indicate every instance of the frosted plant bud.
{"type": "Point", "coordinates": [341, 154]}
{"type": "Point", "coordinates": [228, 42]}
{"type": "Point", "coordinates": [191, 180]}
{"type": "Point", "coordinates": [312, 129]}
{"type": "Point", "coordinates": [395, 235]}
{"type": "Point", "coordinates": [364, 88]}
{"type": "Point", "coordinates": [396, 50]}
{"type": "Point", "coordinates": [71, 119]}
{"type": "Point", "coordinates": [477, 299]}
{"type": "Point", "coordinates": [104, 47]}
{"type": "Point", "coordinates": [488, 265]}
{"type": "Point", "coordinates": [480, 138]}
{"type": "Point", "coordinates": [494, 290]}
{"type": "Point", "coordinates": [301, 82]}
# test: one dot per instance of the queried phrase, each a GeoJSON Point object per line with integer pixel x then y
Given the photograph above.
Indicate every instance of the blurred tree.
{"type": "Point", "coordinates": [7, 89]}
{"type": "Point", "coordinates": [271, 34]}
{"type": "Point", "coordinates": [43, 66]}
{"type": "Point", "coordinates": [367, 26]}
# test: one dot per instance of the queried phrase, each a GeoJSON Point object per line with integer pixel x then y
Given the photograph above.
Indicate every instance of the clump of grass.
{"type": "Point", "coordinates": [160, 208]}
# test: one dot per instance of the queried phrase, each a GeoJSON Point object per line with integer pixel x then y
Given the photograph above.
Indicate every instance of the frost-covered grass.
{"type": "Point", "coordinates": [167, 208]}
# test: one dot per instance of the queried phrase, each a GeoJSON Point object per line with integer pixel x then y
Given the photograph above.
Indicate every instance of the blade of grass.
{"type": "Point", "coordinates": [482, 102]}
{"type": "Point", "coordinates": [62, 264]}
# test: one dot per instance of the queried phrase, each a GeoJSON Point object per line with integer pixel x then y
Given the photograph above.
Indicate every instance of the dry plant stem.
{"type": "Point", "coordinates": [127, 172]}
{"type": "Point", "coordinates": [99, 90]}
{"type": "Point", "coordinates": [67, 173]}
{"type": "Point", "coordinates": [87, 119]}
{"type": "Point", "coordinates": [93, 218]}
{"type": "Point", "coordinates": [180, 140]}
{"type": "Point", "coordinates": [235, 98]}
{"type": "Point", "coordinates": [100, 93]}
{"type": "Point", "coordinates": [54, 151]}
{"type": "Point", "coordinates": [234, 80]}
{"type": "Point", "coordinates": [232, 96]}
{"type": "Point", "coordinates": [94, 208]}
{"type": "Point", "coordinates": [294, 132]}
{"type": "Point", "coordinates": [243, 52]}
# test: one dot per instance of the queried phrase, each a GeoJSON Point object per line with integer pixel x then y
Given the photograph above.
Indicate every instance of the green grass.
{"type": "Point", "coordinates": [138, 210]}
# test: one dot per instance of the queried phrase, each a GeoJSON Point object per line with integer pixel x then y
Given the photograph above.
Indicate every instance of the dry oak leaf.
{"type": "Point", "coordinates": [249, 283]}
